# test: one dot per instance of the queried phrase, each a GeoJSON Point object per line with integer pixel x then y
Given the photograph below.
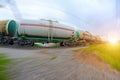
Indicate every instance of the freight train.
{"type": "Point", "coordinates": [27, 32]}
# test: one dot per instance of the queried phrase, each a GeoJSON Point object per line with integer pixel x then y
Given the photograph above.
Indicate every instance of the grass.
{"type": "Point", "coordinates": [56, 45]}
{"type": "Point", "coordinates": [4, 64]}
{"type": "Point", "coordinates": [110, 53]}
{"type": "Point", "coordinates": [53, 58]}
{"type": "Point", "coordinates": [41, 45]}
{"type": "Point", "coordinates": [38, 45]}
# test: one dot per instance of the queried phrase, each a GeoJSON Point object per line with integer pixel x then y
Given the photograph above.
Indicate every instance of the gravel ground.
{"type": "Point", "coordinates": [52, 64]}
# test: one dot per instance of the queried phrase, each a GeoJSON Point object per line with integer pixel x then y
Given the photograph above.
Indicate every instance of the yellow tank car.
{"type": "Point", "coordinates": [8, 28]}
{"type": "Point", "coordinates": [3, 26]}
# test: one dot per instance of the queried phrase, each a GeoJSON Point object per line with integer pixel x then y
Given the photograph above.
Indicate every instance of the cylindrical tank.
{"type": "Point", "coordinates": [93, 38]}
{"type": "Point", "coordinates": [3, 26]}
{"type": "Point", "coordinates": [81, 35]}
{"type": "Point", "coordinates": [8, 27]}
{"type": "Point", "coordinates": [98, 38]}
{"type": "Point", "coordinates": [87, 35]}
{"type": "Point", "coordinates": [45, 28]}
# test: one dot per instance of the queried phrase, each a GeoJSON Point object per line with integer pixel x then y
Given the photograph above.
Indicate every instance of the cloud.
{"type": "Point", "coordinates": [6, 13]}
{"type": "Point", "coordinates": [41, 12]}
{"type": "Point", "coordinates": [40, 9]}
{"type": "Point", "coordinates": [96, 14]}
{"type": "Point", "coordinates": [3, 2]}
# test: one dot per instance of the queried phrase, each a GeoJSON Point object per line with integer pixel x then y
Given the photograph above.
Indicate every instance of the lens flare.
{"type": "Point", "coordinates": [113, 40]}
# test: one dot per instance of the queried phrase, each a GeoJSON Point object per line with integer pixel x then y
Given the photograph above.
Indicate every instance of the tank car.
{"type": "Point", "coordinates": [8, 30]}
{"type": "Point", "coordinates": [45, 31]}
{"type": "Point", "coordinates": [8, 27]}
{"type": "Point", "coordinates": [45, 28]}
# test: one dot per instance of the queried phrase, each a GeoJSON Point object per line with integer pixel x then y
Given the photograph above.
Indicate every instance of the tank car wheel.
{"type": "Point", "coordinates": [11, 42]}
{"type": "Point", "coordinates": [61, 44]}
{"type": "Point", "coordinates": [0, 41]}
{"type": "Point", "coordinates": [4, 41]}
{"type": "Point", "coordinates": [21, 43]}
{"type": "Point", "coordinates": [32, 43]}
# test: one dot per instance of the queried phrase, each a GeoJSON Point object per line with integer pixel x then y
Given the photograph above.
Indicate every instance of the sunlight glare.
{"type": "Point", "coordinates": [113, 40]}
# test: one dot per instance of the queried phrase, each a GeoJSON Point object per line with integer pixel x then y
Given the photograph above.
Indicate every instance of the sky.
{"type": "Point", "coordinates": [100, 17]}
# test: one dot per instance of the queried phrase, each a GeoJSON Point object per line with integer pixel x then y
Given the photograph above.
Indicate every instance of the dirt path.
{"type": "Point", "coordinates": [53, 64]}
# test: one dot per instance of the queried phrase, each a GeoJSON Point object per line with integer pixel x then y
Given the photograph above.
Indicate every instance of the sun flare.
{"type": "Point", "coordinates": [113, 40]}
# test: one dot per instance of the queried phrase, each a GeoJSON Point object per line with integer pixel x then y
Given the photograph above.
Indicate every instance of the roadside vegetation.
{"type": "Point", "coordinates": [110, 53]}
{"type": "Point", "coordinates": [47, 45]}
{"type": "Point", "coordinates": [53, 58]}
{"type": "Point", "coordinates": [4, 66]}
